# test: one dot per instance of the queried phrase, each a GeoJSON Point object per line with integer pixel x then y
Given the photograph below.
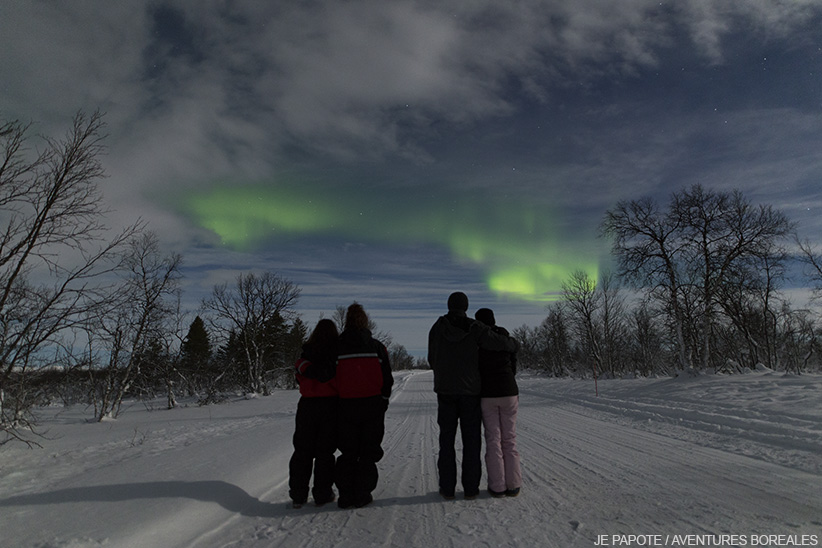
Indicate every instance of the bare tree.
{"type": "Point", "coordinates": [530, 347]}
{"type": "Point", "coordinates": [725, 241]}
{"type": "Point", "coordinates": [251, 310]}
{"type": "Point", "coordinates": [137, 323]}
{"type": "Point", "coordinates": [799, 339]}
{"type": "Point", "coordinates": [555, 331]}
{"type": "Point", "coordinates": [338, 317]}
{"type": "Point", "coordinates": [812, 257]}
{"type": "Point", "coordinates": [687, 256]}
{"type": "Point", "coordinates": [645, 243]}
{"type": "Point", "coordinates": [596, 312]}
{"type": "Point", "coordinates": [584, 304]}
{"type": "Point", "coordinates": [647, 341]}
{"type": "Point", "coordinates": [751, 302]}
{"type": "Point", "coordinates": [399, 358]}
{"type": "Point", "coordinates": [612, 323]}
{"type": "Point", "coordinates": [53, 251]}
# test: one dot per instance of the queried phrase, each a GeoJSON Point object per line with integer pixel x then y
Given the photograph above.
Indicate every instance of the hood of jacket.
{"type": "Point", "coordinates": [454, 326]}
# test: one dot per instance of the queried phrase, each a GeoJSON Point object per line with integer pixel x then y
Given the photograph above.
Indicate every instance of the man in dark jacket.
{"type": "Point", "coordinates": [453, 349]}
{"type": "Point", "coordinates": [364, 382]}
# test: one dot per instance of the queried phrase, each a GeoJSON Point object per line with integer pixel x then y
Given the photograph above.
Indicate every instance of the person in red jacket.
{"type": "Point", "coordinates": [364, 382]}
{"type": "Point", "coordinates": [315, 433]}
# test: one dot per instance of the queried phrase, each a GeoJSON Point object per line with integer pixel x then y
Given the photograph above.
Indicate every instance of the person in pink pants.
{"type": "Point", "coordinates": [499, 402]}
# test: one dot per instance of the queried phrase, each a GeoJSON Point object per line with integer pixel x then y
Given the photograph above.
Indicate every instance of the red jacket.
{"type": "Point", "coordinates": [363, 369]}
{"type": "Point", "coordinates": [312, 388]}
{"type": "Point", "coordinates": [315, 372]}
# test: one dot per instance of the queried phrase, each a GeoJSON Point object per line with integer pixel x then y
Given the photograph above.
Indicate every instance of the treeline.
{"type": "Point", "coordinates": [698, 286]}
{"type": "Point", "coordinates": [93, 318]}
{"type": "Point", "coordinates": [90, 318]}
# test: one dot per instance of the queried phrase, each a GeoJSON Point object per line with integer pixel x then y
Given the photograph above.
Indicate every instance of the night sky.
{"type": "Point", "coordinates": [394, 152]}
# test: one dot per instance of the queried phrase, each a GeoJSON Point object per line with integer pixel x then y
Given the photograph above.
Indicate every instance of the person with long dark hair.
{"type": "Point", "coordinates": [364, 381]}
{"type": "Point", "coordinates": [315, 435]}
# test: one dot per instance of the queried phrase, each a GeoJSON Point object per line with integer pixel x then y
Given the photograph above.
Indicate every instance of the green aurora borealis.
{"type": "Point", "coordinates": [517, 246]}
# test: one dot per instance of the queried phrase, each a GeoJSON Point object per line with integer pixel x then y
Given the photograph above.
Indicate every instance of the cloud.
{"type": "Point", "coordinates": [69, 56]}
{"type": "Point", "coordinates": [709, 22]}
{"type": "Point", "coordinates": [549, 105]}
{"type": "Point", "coordinates": [363, 77]}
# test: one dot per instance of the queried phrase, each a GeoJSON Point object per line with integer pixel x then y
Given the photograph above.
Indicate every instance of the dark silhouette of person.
{"type": "Point", "coordinates": [315, 434]}
{"type": "Point", "coordinates": [499, 400]}
{"type": "Point", "coordinates": [364, 381]}
{"type": "Point", "coordinates": [454, 342]}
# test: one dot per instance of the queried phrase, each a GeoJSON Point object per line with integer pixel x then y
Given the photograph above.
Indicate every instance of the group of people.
{"type": "Point", "coordinates": [345, 384]}
{"type": "Point", "coordinates": [474, 363]}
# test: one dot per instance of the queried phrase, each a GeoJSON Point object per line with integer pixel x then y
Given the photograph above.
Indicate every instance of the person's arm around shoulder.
{"type": "Point", "coordinates": [512, 356]}
{"type": "Point", "coordinates": [504, 332]}
{"type": "Point", "coordinates": [488, 339]}
{"type": "Point", "coordinates": [322, 371]}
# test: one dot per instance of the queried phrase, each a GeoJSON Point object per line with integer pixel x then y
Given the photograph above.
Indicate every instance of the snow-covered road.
{"type": "Point", "coordinates": [724, 459]}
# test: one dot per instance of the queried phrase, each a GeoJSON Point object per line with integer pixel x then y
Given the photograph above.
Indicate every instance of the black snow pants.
{"type": "Point", "coordinates": [315, 441]}
{"type": "Point", "coordinates": [361, 427]}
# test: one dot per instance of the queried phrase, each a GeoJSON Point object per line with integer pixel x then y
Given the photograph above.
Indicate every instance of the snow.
{"type": "Point", "coordinates": [723, 459]}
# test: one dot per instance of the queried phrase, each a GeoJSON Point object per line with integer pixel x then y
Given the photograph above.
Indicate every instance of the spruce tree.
{"type": "Point", "coordinates": [195, 352]}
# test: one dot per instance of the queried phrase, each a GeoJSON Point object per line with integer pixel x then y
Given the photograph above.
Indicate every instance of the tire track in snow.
{"type": "Point", "coordinates": [408, 484]}
{"type": "Point", "coordinates": [420, 517]}
{"type": "Point", "coordinates": [790, 439]}
{"type": "Point", "coordinates": [404, 496]}
{"type": "Point", "coordinates": [279, 524]}
{"type": "Point", "coordinates": [586, 473]}
{"type": "Point", "coordinates": [642, 481]}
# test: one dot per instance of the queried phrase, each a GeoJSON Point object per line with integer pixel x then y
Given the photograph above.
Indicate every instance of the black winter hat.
{"type": "Point", "coordinates": [458, 301]}
{"type": "Point", "coordinates": [486, 316]}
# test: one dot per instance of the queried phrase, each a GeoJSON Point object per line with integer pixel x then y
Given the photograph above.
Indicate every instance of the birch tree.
{"type": "Point", "coordinates": [55, 252]}
{"type": "Point", "coordinates": [253, 311]}
{"type": "Point", "coordinates": [687, 256]}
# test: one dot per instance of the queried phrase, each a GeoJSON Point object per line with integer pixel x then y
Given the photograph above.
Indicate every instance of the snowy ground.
{"type": "Point", "coordinates": [724, 459]}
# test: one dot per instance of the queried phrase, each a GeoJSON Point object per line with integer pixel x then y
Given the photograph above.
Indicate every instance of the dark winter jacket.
{"type": "Point", "coordinates": [316, 369]}
{"type": "Point", "coordinates": [363, 369]}
{"type": "Point", "coordinates": [497, 371]}
{"type": "Point", "coordinates": [453, 352]}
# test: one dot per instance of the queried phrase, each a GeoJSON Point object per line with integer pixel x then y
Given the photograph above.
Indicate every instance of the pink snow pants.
{"type": "Point", "coordinates": [499, 417]}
